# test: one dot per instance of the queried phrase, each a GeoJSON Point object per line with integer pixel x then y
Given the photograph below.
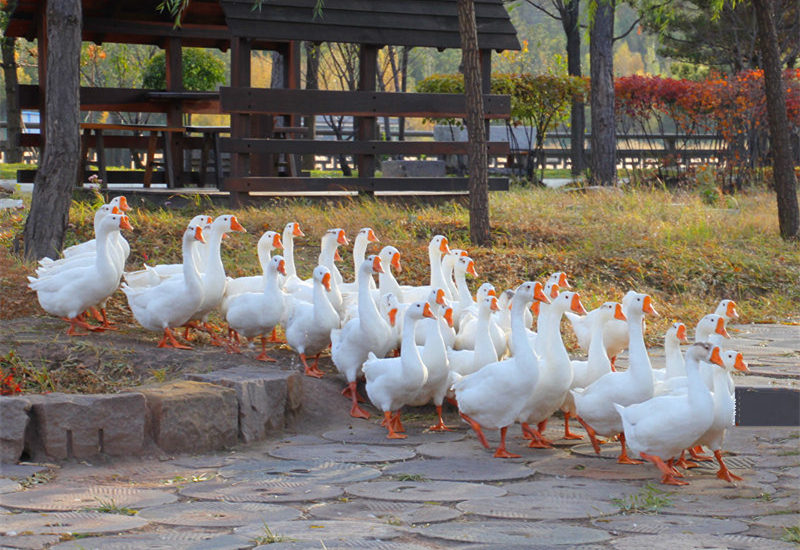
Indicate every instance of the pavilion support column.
{"type": "Point", "coordinates": [486, 83]}
{"type": "Point", "coordinates": [240, 123]}
{"type": "Point", "coordinates": [174, 78]}
{"type": "Point", "coordinates": [41, 42]}
{"type": "Point", "coordinates": [367, 81]}
{"type": "Point", "coordinates": [291, 80]}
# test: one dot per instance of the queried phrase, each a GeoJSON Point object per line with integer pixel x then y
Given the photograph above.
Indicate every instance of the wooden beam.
{"type": "Point", "coordinates": [326, 102]}
{"type": "Point", "coordinates": [278, 184]}
{"type": "Point", "coordinates": [130, 99]}
{"type": "Point", "coordinates": [372, 147]}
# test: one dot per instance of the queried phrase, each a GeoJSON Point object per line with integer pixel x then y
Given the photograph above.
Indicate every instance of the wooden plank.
{"type": "Point", "coordinates": [121, 99]}
{"type": "Point", "coordinates": [331, 147]}
{"type": "Point", "coordinates": [114, 176]}
{"type": "Point", "coordinates": [279, 184]}
{"type": "Point", "coordinates": [359, 103]}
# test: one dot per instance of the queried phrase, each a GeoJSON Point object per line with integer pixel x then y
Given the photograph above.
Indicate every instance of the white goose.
{"type": "Point", "coordinates": [711, 328]}
{"type": "Point", "coordinates": [390, 257]}
{"type": "Point", "coordinates": [465, 337]}
{"type": "Point", "coordinates": [71, 291]}
{"type": "Point", "coordinates": [674, 365]}
{"type": "Point", "coordinates": [448, 265]}
{"type": "Point", "coordinates": [328, 255]}
{"type": "Point", "coordinates": [365, 236]}
{"type": "Point", "coordinates": [659, 429]}
{"type": "Point", "coordinates": [462, 267]}
{"type": "Point", "coordinates": [595, 403]}
{"type": "Point", "coordinates": [268, 242]}
{"type": "Point", "coordinates": [727, 309]}
{"type": "Point", "coordinates": [369, 332]}
{"type": "Point", "coordinates": [89, 246]}
{"type": "Point", "coordinates": [290, 231]}
{"type": "Point", "coordinates": [615, 336]}
{"type": "Point", "coordinates": [172, 303]}
{"type": "Point", "coordinates": [494, 396]}
{"type": "Point", "coordinates": [252, 314]}
{"type": "Point", "coordinates": [308, 325]}
{"type": "Point", "coordinates": [393, 382]}
{"type": "Point", "coordinates": [436, 248]}
{"type": "Point", "coordinates": [467, 361]}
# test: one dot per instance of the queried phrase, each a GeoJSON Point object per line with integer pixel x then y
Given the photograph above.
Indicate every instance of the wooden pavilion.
{"type": "Point", "coordinates": [265, 122]}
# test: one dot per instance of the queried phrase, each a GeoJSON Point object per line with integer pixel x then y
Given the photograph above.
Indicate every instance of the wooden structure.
{"type": "Point", "coordinates": [265, 122]}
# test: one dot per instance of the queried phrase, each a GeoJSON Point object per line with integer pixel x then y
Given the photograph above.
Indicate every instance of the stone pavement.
{"type": "Point", "coordinates": [337, 482]}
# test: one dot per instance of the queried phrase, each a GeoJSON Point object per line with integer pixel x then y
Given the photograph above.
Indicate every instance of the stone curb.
{"type": "Point", "coordinates": [207, 412]}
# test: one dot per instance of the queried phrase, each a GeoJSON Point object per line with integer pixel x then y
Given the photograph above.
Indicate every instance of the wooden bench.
{"type": "Point", "coordinates": [94, 137]}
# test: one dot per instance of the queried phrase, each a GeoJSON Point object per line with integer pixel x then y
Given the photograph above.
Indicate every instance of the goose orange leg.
{"type": "Point", "coordinates": [501, 451]}
{"type": "Point", "coordinates": [107, 325]}
{"type": "Point", "coordinates": [273, 337]}
{"type": "Point", "coordinates": [696, 453]}
{"type": "Point", "coordinates": [567, 433]}
{"type": "Point", "coordinates": [169, 341]}
{"type": "Point", "coordinates": [440, 427]}
{"type": "Point", "coordinates": [623, 454]}
{"type": "Point", "coordinates": [75, 322]}
{"type": "Point", "coordinates": [263, 355]}
{"type": "Point", "coordinates": [356, 410]}
{"type": "Point", "coordinates": [311, 371]}
{"type": "Point", "coordinates": [388, 421]}
{"type": "Point", "coordinates": [724, 472]}
{"type": "Point", "coordinates": [538, 440]}
{"type": "Point", "coordinates": [683, 463]}
{"type": "Point", "coordinates": [476, 427]}
{"type": "Point", "coordinates": [396, 423]}
{"type": "Point", "coordinates": [614, 364]}
{"type": "Point", "coordinates": [592, 434]}
{"type": "Point", "coordinates": [669, 477]}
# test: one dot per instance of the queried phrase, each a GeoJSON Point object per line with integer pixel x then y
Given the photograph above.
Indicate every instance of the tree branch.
{"type": "Point", "coordinates": [626, 33]}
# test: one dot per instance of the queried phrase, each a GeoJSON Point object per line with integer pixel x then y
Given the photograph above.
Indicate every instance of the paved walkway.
{"type": "Point", "coordinates": [339, 483]}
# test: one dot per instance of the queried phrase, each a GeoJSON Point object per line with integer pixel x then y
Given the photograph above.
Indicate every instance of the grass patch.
{"type": "Point", "coordinates": [410, 477]}
{"type": "Point", "coordinates": [650, 500]}
{"type": "Point", "coordinates": [269, 537]}
{"type": "Point", "coordinates": [110, 507]}
{"type": "Point", "coordinates": [791, 534]}
{"type": "Point", "coordinates": [8, 170]}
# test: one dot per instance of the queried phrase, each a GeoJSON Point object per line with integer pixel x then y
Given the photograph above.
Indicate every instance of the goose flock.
{"type": "Point", "coordinates": [419, 345]}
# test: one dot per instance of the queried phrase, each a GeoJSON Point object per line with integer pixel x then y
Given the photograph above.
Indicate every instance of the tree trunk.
{"type": "Point", "coordinates": [476, 130]}
{"type": "Point", "coordinates": [783, 169]}
{"type": "Point", "coordinates": [13, 151]}
{"type": "Point", "coordinates": [572, 29]}
{"type": "Point", "coordinates": [52, 189]}
{"type": "Point", "coordinates": [604, 141]}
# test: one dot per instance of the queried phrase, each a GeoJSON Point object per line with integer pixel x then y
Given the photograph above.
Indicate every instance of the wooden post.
{"type": "Point", "coordinates": [291, 80]}
{"type": "Point", "coordinates": [367, 75]}
{"type": "Point", "coordinates": [174, 140]}
{"type": "Point", "coordinates": [486, 84]}
{"type": "Point", "coordinates": [41, 41]}
{"type": "Point", "coordinates": [240, 123]}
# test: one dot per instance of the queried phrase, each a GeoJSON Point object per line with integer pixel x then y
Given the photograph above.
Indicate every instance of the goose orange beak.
{"type": "Point", "coordinates": [296, 231]}
{"type": "Point", "coordinates": [326, 281]}
{"type": "Point", "coordinates": [562, 281]}
{"type": "Point", "coordinates": [115, 210]}
{"type": "Point", "coordinates": [276, 242]}
{"type": "Point", "coordinates": [336, 256]}
{"type": "Point", "coordinates": [471, 269]}
{"type": "Point", "coordinates": [443, 248]}
{"type": "Point", "coordinates": [730, 311]}
{"type": "Point", "coordinates": [448, 316]}
{"type": "Point", "coordinates": [681, 334]}
{"type": "Point", "coordinates": [721, 328]}
{"type": "Point", "coordinates": [534, 307]}
{"type": "Point", "coordinates": [618, 313]}
{"type": "Point", "coordinates": [371, 237]}
{"type": "Point", "coordinates": [282, 267]}
{"type": "Point", "coordinates": [427, 312]}
{"type": "Point", "coordinates": [123, 203]}
{"type": "Point", "coordinates": [236, 226]}
{"type": "Point", "coordinates": [460, 252]}
{"type": "Point", "coordinates": [342, 238]}
{"type": "Point", "coordinates": [647, 307]}
{"type": "Point", "coordinates": [553, 292]}
{"type": "Point", "coordinates": [395, 263]}
{"type": "Point", "coordinates": [740, 364]}
{"type": "Point", "coordinates": [493, 306]}
{"type": "Point", "coordinates": [209, 219]}
{"type": "Point", "coordinates": [198, 234]}
{"type": "Point", "coordinates": [393, 316]}
{"type": "Point", "coordinates": [440, 297]}
{"type": "Point", "coordinates": [124, 223]}
{"type": "Point", "coordinates": [716, 358]}
{"type": "Point", "coordinates": [538, 293]}
{"type": "Point", "coordinates": [491, 292]}
{"type": "Point", "coordinates": [576, 305]}
{"type": "Point", "coordinates": [376, 265]}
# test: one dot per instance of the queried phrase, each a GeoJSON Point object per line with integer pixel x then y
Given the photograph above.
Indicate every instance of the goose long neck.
{"type": "Point", "coordinates": [408, 345]}
{"type": "Point", "coordinates": [190, 274]}
{"type": "Point", "coordinates": [264, 256]}
{"type": "Point", "coordinates": [271, 285]}
{"type": "Point", "coordinates": [639, 359]}
{"type": "Point", "coordinates": [521, 349]}
{"type": "Point", "coordinates": [367, 310]}
{"type": "Point", "coordinates": [103, 261]}
{"type": "Point", "coordinates": [214, 257]}
{"type": "Point", "coordinates": [437, 279]}
{"type": "Point", "coordinates": [434, 344]}
{"type": "Point", "coordinates": [698, 391]}
{"type": "Point", "coordinates": [387, 283]}
{"type": "Point", "coordinates": [322, 304]}
{"type": "Point", "coordinates": [675, 361]}
{"type": "Point", "coordinates": [359, 253]}
{"type": "Point", "coordinates": [597, 347]}
{"type": "Point", "coordinates": [464, 295]}
{"type": "Point", "coordinates": [447, 273]}
{"type": "Point", "coordinates": [288, 253]}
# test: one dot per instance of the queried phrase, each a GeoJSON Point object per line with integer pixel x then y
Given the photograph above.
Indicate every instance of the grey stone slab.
{"type": "Point", "coordinates": [14, 420]}
{"type": "Point", "coordinates": [81, 426]}
{"type": "Point", "coordinates": [706, 482]}
{"type": "Point", "coordinates": [471, 449]}
{"type": "Point", "coordinates": [344, 544]}
{"type": "Point", "coordinates": [373, 436]}
{"type": "Point", "coordinates": [654, 524]}
{"type": "Point", "coordinates": [301, 439]}
{"type": "Point", "coordinates": [202, 461]}
{"type": "Point", "coordinates": [263, 396]}
{"type": "Point", "coordinates": [701, 505]}
{"type": "Point", "coordinates": [424, 491]}
{"type": "Point", "coordinates": [573, 488]}
{"type": "Point", "coordinates": [463, 469]}
{"type": "Point", "coordinates": [317, 471]}
{"type": "Point", "coordinates": [59, 523]}
{"type": "Point", "coordinates": [159, 541]}
{"type": "Point", "coordinates": [192, 417]}
{"type": "Point", "coordinates": [263, 491]}
{"type": "Point", "coordinates": [58, 499]}
{"type": "Point", "coordinates": [529, 546]}
{"type": "Point", "coordinates": [594, 468]}
{"type": "Point", "coordinates": [778, 520]}
{"type": "Point", "coordinates": [218, 514]}
{"type": "Point", "coordinates": [329, 532]}
{"type": "Point", "coordinates": [507, 533]}
{"type": "Point", "coordinates": [609, 450]}
{"type": "Point", "coordinates": [9, 485]}
{"type": "Point", "coordinates": [543, 507]}
{"type": "Point", "coordinates": [337, 452]}
{"type": "Point", "coordinates": [409, 513]}
{"type": "Point", "coordinates": [21, 471]}
{"type": "Point", "coordinates": [29, 542]}
{"type": "Point", "coordinates": [697, 542]}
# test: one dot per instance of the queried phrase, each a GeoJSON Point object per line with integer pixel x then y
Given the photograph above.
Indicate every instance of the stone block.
{"type": "Point", "coordinates": [264, 397]}
{"type": "Point", "coordinates": [13, 422]}
{"type": "Point", "coordinates": [191, 417]}
{"type": "Point", "coordinates": [413, 168]}
{"type": "Point", "coordinates": [81, 426]}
